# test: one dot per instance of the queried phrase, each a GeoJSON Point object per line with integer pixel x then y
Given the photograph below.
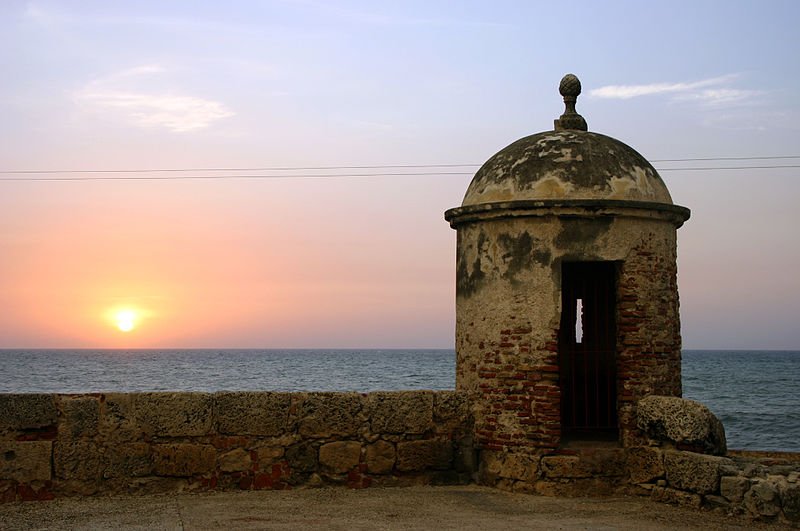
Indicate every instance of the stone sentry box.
{"type": "Point", "coordinates": [566, 298]}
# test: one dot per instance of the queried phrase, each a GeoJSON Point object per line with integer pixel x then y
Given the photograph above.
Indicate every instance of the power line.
{"type": "Point", "coordinates": [702, 168]}
{"type": "Point", "coordinates": [269, 168]}
{"type": "Point", "coordinates": [330, 175]}
{"type": "Point", "coordinates": [727, 158]}
{"type": "Point", "coordinates": [354, 167]}
{"type": "Point", "coordinates": [232, 177]}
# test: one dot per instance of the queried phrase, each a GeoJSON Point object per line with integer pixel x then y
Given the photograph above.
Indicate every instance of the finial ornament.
{"type": "Point", "coordinates": [570, 88]}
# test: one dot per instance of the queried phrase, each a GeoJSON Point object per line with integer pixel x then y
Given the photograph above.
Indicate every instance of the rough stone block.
{"type": "Point", "coordinates": [381, 456]}
{"type": "Point", "coordinates": [733, 487]}
{"type": "Point", "coordinates": [328, 414]}
{"type": "Point", "coordinates": [79, 459]}
{"type": "Point", "coordinates": [684, 423]}
{"type": "Point", "coordinates": [117, 420]}
{"type": "Point", "coordinates": [25, 461]}
{"type": "Point", "coordinates": [589, 463]}
{"type": "Point", "coordinates": [763, 499]}
{"type": "Point", "coordinates": [790, 499]}
{"type": "Point", "coordinates": [407, 412]}
{"type": "Point", "coordinates": [645, 464]}
{"type": "Point", "coordinates": [713, 501]}
{"type": "Point", "coordinates": [340, 456]}
{"type": "Point", "coordinates": [183, 459]}
{"type": "Point", "coordinates": [252, 413]}
{"type": "Point", "coordinates": [465, 458]}
{"type": "Point", "coordinates": [517, 466]}
{"type": "Point", "coordinates": [269, 454]}
{"type": "Point", "coordinates": [237, 460]}
{"type": "Point", "coordinates": [564, 466]}
{"type": "Point", "coordinates": [693, 472]}
{"type": "Point", "coordinates": [676, 497]}
{"type": "Point", "coordinates": [80, 416]}
{"type": "Point", "coordinates": [302, 457]}
{"type": "Point", "coordinates": [419, 455]}
{"type": "Point", "coordinates": [451, 409]}
{"type": "Point", "coordinates": [22, 411]}
{"type": "Point", "coordinates": [128, 460]}
{"type": "Point", "coordinates": [175, 414]}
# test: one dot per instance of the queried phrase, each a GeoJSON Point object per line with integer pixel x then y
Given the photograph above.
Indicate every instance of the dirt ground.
{"type": "Point", "coordinates": [439, 508]}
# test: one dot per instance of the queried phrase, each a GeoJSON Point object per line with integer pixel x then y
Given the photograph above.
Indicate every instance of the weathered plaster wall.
{"type": "Point", "coordinates": [61, 445]}
{"type": "Point", "coordinates": [508, 315]}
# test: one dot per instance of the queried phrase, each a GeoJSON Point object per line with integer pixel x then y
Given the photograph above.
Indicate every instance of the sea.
{"type": "Point", "coordinates": [754, 393]}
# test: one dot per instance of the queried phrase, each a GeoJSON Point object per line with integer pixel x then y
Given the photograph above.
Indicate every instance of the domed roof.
{"type": "Point", "coordinates": [566, 164]}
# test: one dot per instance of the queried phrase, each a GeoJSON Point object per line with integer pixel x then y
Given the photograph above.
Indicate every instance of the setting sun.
{"type": "Point", "coordinates": [125, 320]}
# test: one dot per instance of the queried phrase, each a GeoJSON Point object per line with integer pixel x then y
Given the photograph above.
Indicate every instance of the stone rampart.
{"type": "Point", "coordinates": [758, 485]}
{"type": "Point", "coordinates": [115, 443]}
{"type": "Point", "coordinates": [61, 445]}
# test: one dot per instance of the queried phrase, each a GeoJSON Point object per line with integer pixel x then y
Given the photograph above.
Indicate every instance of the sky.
{"type": "Point", "coordinates": [330, 259]}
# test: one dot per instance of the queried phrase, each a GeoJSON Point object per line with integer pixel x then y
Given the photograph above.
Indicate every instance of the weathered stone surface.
{"type": "Point", "coordinates": [340, 456]}
{"type": "Point", "coordinates": [763, 499]}
{"type": "Point", "coordinates": [328, 414]}
{"type": "Point", "coordinates": [80, 416]}
{"type": "Point", "coordinates": [237, 460]}
{"type": "Point", "coordinates": [27, 411]}
{"type": "Point", "coordinates": [117, 418]}
{"type": "Point", "coordinates": [790, 499]}
{"type": "Point", "coordinates": [518, 466]}
{"type": "Point", "coordinates": [77, 460]}
{"type": "Point", "coordinates": [684, 423]}
{"type": "Point", "coordinates": [252, 413]}
{"type": "Point", "coordinates": [419, 455]}
{"type": "Point", "coordinates": [25, 461]}
{"type": "Point", "coordinates": [269, 454]}
{"type": "Point", "coordinates": [302, 457]}
{"type": "Point", "coordinates": [716, 502]}
{"type": "Point", "coordinates": [408, 412]}
{"type": "Point", "coordinates": [183, 459]}
{"type": "Point", "coordinates": [733, 487]}
{"type": "Point", "coordinates": [451, 408]}
{"type": "Point", "coordinates": [645, 464]}
{"type": "Point", "coordinates": [128, 460]}
{"type": "Point", "coordinates": [175, 414]}
{"type": "Point", "coordinates": [594, 463]}
{"type": "Point", "coordinates": [693, 472]}
{"type": "Point", "coordinates": [380, 457]}
{"type": "Point", "coordinates": [675, 497]}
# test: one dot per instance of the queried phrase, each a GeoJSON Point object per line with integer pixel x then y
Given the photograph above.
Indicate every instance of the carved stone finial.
{"type": "Point", "coordinates": [570, 88]}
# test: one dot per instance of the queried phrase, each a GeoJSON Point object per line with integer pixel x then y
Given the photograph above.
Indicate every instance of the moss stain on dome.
{"type": "Point", "coordinates": [566, 165]}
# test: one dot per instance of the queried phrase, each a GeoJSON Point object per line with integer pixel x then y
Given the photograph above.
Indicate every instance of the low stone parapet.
{"type": "Point", "coordinates": [756, 485]}
{"type": "Point", "coordinates": [110, 443]}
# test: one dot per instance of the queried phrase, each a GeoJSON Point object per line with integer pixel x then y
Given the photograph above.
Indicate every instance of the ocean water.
{"type": "Point", "coordinates": [754, 393]}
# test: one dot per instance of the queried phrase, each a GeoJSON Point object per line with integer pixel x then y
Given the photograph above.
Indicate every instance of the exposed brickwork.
{"type": "Point", "coordinates": [648, 327]}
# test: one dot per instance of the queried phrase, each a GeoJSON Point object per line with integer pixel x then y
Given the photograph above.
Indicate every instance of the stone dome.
{"type": "Point", "coordinates": [568, 163]}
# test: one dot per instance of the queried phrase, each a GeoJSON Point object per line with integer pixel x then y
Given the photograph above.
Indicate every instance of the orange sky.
{"type": "Point", "coordinates": [367, 261]}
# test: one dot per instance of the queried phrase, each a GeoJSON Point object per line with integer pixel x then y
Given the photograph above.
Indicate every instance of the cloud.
{"type": "Point", "coordinates": [176, 113]}
{"type": "Point", "coordinates": [179, 113]}
{"type": "Point", "coordinates": [712, 91]}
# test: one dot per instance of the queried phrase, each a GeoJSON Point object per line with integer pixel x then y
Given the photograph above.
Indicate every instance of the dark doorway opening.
{"type": "Point", "coordinates": [587, 351]}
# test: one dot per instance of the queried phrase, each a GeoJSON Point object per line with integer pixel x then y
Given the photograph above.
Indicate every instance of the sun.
{"type": "Point", "coordinates": [126, 320]}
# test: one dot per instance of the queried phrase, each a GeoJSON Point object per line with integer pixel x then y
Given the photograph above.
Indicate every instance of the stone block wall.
{"type": "Point", "coordinates": [62, 445]}
{"type": "Point", "coordinates": [755, 485]}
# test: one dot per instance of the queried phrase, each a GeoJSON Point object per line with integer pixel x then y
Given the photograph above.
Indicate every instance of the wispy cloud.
{"type": "Point", "coordinates": [712, 91]}
{"type": "Point", "coordinates": [121, 93]}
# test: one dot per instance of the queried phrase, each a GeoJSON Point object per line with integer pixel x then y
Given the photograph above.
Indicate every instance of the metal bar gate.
{"type": "Point", "coordinates": [587, 350]}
